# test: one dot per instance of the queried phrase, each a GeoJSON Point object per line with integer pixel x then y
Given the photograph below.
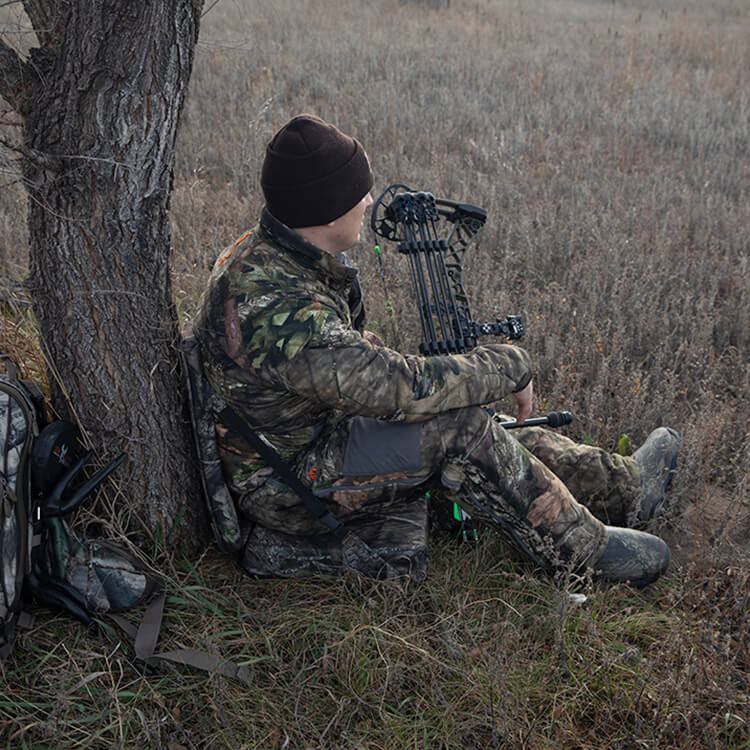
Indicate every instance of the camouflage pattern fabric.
{"type": "Point", "coordinates": [398, 537]}
{"type": "Point", "coordinates": [18, 428]}
{"type": "Point", "coordinates": [204, 404]}
{"type": "Point", "coordinates": [14, 421]}
{"type": "Point", "coordinates": [489, 473]}
{"type": "Point", "coordinates": [108, 577]}
{"type": "Point", "coordinates": [607, 484]}
{"type": "Point", "coordinates": [278, 345]}
{"type": "Point", "coordinates": [9, 554]}
{"type": "Point", "coordinates": [12, 455]}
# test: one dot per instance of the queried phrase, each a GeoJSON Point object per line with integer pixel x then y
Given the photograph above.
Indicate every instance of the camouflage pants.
{"type": "Point", "coordinates": [607, 484]}
{"type": "Point", "coordinates": [550, 495]}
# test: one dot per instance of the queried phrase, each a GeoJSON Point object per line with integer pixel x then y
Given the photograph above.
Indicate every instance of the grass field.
{"type": "Point", "coordinates": [609, 142]}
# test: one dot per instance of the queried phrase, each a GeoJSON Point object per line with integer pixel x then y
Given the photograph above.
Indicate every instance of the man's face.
{"type": "Point", "coordinates": [345, 230]}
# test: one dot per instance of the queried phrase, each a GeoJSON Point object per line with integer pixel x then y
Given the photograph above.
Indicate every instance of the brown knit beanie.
{"type": "Point", "coordinates": [313, 173]}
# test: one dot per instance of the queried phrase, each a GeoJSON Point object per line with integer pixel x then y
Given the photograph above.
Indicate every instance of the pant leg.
{"type": "Point", "coordinates": [492, 475]}
{"type": "Point", "coordinates": [368, 468]}
{"type": "Point", "coordinates": [501, 483]}
{"type": "Point", "coordinates": [607, 484]}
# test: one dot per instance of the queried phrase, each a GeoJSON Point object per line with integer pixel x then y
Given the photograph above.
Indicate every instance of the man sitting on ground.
{"type": "Point", "coordinates": [369, 430]}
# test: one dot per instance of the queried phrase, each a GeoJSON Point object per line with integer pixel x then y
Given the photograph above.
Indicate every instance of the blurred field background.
{"type": "Point", "coordinates": [609, 142]}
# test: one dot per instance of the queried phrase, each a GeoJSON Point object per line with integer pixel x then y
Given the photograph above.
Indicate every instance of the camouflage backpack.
{"type": "Point", "coordinates": [40, 557]}
{"type": "Point", "coordinates": [20, 423]}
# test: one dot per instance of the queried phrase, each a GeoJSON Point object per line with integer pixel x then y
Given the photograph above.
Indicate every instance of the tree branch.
{"type": "Point", "coordinates": [45, 161]}
{"type": "Point", "coordinates": [15, 76]}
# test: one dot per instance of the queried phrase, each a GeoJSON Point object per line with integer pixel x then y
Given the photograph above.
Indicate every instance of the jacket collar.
{"type": "Point", "coordinates": [308, 254]}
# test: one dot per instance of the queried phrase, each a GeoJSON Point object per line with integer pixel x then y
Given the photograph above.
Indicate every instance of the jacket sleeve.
{"type": "Point", "coordinates": [350, 374]}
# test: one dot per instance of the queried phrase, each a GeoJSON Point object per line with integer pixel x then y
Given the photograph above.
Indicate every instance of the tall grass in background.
{"type": "Point", "coordinates": [609, 143]}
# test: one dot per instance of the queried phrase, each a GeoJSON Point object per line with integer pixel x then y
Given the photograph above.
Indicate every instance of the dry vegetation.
{"type": "Point", "coordinates": [609, 143]}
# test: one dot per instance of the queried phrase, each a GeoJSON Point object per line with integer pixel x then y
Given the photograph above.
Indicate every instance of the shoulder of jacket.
{"type": "Point", "coordinates": [250, 239]}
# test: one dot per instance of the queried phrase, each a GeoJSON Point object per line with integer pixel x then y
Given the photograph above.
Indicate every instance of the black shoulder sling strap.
{"type": "Point", "coordinates": [314, 505]}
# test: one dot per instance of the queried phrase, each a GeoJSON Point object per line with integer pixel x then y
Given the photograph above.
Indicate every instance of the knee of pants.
{"type": "Point", "coordinates": [453, 434]}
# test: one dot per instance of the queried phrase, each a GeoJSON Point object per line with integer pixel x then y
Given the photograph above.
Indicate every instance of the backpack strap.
{"type": "Point", "coordinates": [60, 554]}
{"type": "Point", "coordinates": [146, 635]}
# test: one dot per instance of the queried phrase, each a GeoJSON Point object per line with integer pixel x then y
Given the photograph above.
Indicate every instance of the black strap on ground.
{"type": "Point", "coordinates": [314, 505]}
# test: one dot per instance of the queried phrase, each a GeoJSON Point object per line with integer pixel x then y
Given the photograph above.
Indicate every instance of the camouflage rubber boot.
{"type": "Point", "coordinates": [632, 556]}
{"type": "Point", "coordinates": [656, 460]}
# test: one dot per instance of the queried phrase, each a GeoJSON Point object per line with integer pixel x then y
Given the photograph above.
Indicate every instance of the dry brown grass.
{"type": "Point", "coordinates": [609, 143]}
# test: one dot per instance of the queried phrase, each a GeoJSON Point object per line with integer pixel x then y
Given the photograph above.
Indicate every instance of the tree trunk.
{"type": "Point", "coordinates": [101, 117]}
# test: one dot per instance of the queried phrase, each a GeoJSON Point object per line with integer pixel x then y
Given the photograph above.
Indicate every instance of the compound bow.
{"type": "Point", "coordinates": [436, 265]}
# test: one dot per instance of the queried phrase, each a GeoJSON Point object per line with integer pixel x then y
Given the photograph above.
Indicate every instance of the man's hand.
{"type": "Point", "coordinates": [524, 399]}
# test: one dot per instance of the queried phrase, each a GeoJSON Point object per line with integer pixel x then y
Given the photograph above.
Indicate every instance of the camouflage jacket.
{"type": "Point", "coordinates": [279, 346]}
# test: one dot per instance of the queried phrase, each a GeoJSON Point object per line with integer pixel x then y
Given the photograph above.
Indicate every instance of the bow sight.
{"type": "Point", "coordinates": [414, 220]}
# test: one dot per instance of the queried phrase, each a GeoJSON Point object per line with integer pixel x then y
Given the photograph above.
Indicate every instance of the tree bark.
{"type": "Point", "coordinates": [102, 98]}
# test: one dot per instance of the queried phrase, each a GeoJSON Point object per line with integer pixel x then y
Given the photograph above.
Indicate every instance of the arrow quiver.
{"type": "Point", "coordinates": [416, 220]}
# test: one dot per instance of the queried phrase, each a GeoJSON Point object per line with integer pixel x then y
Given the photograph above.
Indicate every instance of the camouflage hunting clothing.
{"type": "Point", "coordinates": [608, 484]}
{"type": "Point", "coordinates": [367, 428]}
{"type": "Point", "coordinates": [278, 345]}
